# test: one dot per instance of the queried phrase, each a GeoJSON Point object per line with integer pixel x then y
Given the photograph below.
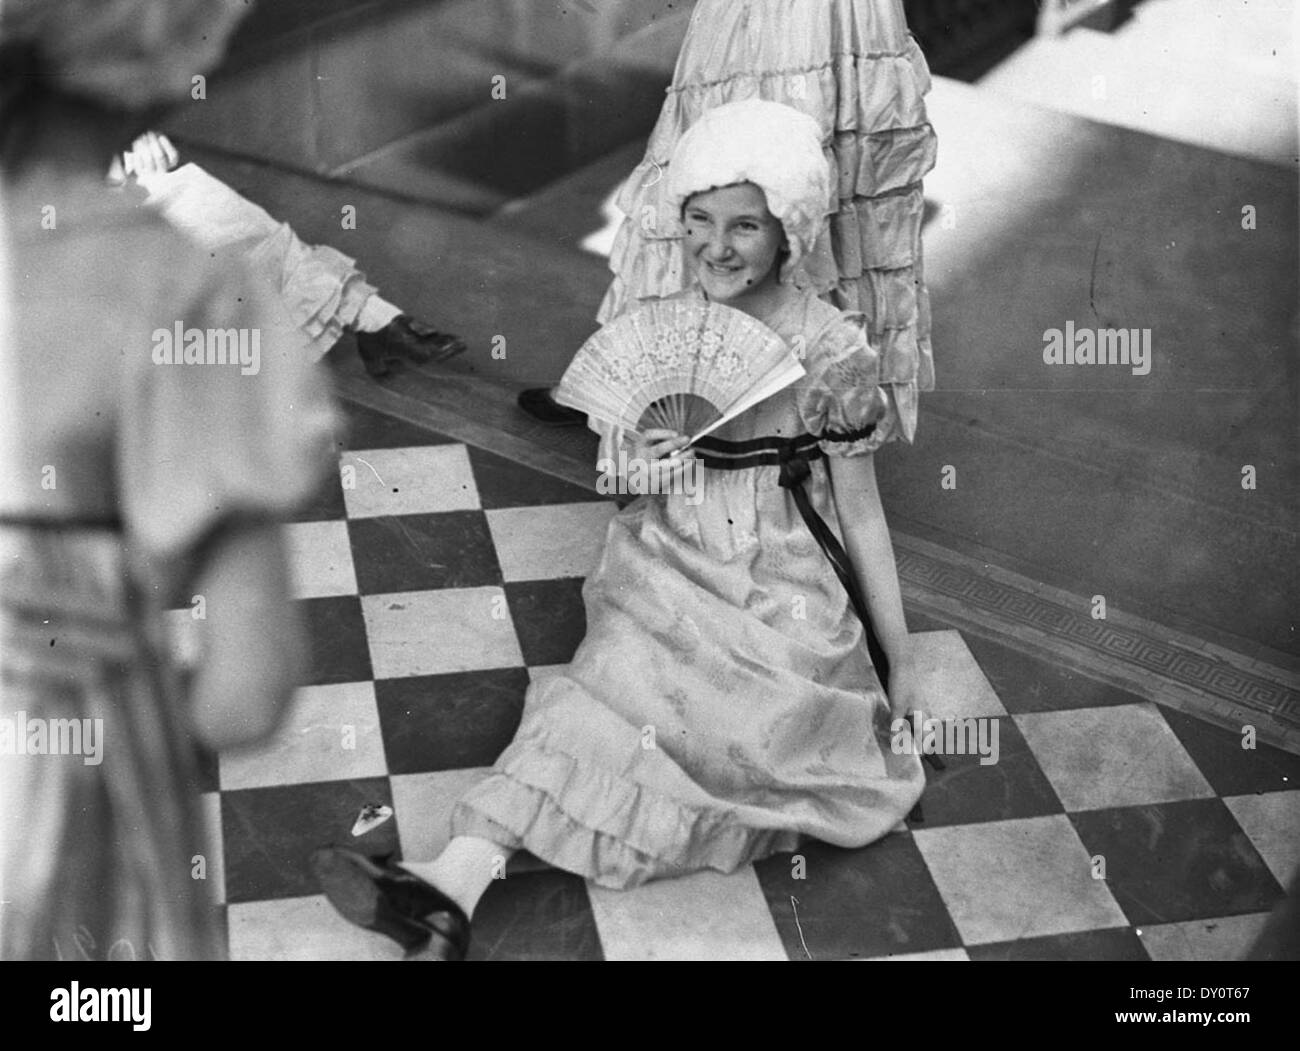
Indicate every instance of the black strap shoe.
{"type": "Point", "coordinates": [376, 894]}
{"type": "Point", "coordinates": [538, 403]}
{"type": "Point", "coordinates": [404, 338]}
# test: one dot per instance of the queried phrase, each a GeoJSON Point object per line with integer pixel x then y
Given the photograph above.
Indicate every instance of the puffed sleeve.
{"type": "Point", "coordinates": [841, 399]}
{"type": "Point", "coordinates": [199, 444]}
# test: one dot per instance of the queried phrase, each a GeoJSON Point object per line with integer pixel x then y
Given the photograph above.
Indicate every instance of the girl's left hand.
{"type": "Point", "coordinates": [904, 689]}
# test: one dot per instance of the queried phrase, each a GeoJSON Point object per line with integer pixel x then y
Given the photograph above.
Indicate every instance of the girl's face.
{"type": "Point", "coordinates": [734, 242]}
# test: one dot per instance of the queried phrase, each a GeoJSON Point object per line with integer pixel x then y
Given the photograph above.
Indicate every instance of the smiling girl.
{"type": "Point", "coordinates": [853, 67]}
{"type": "Point", "coordinates": [723, 702]}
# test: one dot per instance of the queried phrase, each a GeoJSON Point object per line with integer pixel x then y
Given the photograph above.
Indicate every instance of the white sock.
{"type": "Point", "coordinates": [464, 870]}
{"type": "Point", "coordinates": [375, 314]}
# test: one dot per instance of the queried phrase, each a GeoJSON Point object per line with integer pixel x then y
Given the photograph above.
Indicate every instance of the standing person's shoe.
{"type": "Point", "coordinates": [538, 403]}
{"type": "Point", "coordinates": [376, 894]}
{"type": "Point", "coordinates": [404, 338]}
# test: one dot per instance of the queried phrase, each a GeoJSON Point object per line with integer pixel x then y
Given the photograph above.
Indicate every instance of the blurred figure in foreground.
{"type": "Point", "coordinates": [160, 418]}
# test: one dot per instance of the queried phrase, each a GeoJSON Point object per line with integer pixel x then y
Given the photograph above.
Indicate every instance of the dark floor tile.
{"type": "Point", "coordinates": [549, 619]}
{"type": "Point", "coordinates": [853, 904]}
{"type": "Point", "coordinates": [449, 722]}
{"type": "Point", "coordinates": [966, 791]}
{"type": "Point", "coordinates": [269, 833]}
{"type": "Point", "coordinates": [326, 503]}
{"type": "Point", "coordinates": [1118, 943]}
{"type": "Point", "coordinates": [1168, 862]}
{"type": "Point", "coordinates": [918, 621]}
{"type": "Point", "coordinates": [1231, 769]}
{"type": "Point", "coordinates": [504, 483]}
{"type": "Point", "coordinates": [337, 631]}
{"type": "Point", "coordinates": [451, 549]}
{"type": "Point", "coordinates": [1280, 938]}
{"type": "Point", "coordinates": [524, 862]}
{"type": "Point", "coordinates": [368, 429]}
{"type": "Point", "coordinates": [1030, 684]}
{"type": "Point", "coordinates": [535, 916]}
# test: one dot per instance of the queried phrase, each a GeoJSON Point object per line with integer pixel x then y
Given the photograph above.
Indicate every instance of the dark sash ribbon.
{"type": "Point", "coordinates": [794, 456]}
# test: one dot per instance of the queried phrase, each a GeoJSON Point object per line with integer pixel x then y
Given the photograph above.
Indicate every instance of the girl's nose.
{"type": "Point", "coordinates": [718, 247]}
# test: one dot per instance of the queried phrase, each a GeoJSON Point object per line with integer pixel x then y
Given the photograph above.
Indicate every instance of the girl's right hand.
{"type": "Point", "coordinates": [657, 444]}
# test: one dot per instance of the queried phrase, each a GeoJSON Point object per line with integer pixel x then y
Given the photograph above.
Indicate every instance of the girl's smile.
{"type": "Point", "coordinates": [734, 242]}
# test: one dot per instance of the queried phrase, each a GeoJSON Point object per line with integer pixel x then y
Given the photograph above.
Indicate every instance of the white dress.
{"type": "Point", "coordinates": [723, 701]}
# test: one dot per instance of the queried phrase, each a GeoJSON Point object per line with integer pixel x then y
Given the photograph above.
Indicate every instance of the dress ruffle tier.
{"type": "Point", "coordinates": [854, 69]}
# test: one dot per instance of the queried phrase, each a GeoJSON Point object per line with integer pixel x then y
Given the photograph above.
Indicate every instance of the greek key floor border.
{"type": "Point", "coordinates": [1140, 656]}
{"type": "Point", "coordinates": [1145, 658]}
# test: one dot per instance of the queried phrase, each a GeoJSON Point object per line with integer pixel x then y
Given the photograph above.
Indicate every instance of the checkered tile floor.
{"type": "Point", "coordinates": [441, 579]}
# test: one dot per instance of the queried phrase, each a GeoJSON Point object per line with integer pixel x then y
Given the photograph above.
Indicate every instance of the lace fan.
{"type": "Point", "coordinates": [683, 365]}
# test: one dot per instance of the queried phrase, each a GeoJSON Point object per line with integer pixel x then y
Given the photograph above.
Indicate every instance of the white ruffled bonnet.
{"type": "Point", "coordinates": [775, 147]}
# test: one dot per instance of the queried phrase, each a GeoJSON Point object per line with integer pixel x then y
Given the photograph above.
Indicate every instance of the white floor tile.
{"type": "Point", "coordinates": [420, 480]}
{"type": "Point", "coordinates": [301, 929]}
{"type": "Point", "coordinates": [213, 855]}
{"type": "Point", "coordinates": [545, 671]}
{"type": "Point", "coordinates": [934, 954]}
{"type": "Point", "coordinates": [545, 543]}
{"type": "Point", "coordinates": [951, 686]}
{"type": "Point", "coordinates": [331, 734]}
{"type": "Point", "coordinates": [423, 804]}
{"type": "Point", "coordinates": [320, 559]}
{"type": "Point", "coordinates": [1272, 821]}
{"type": "Point", "coordinates": [1005, 880]}
{"type": "Point", "coordinates": [1225, 938]}
{"type": "Point", "coordinates": [1119, 755]}
{"type": "Point", "coordinates": [704, 916]}
{"type": "Point", "coordinates": [433, 632]}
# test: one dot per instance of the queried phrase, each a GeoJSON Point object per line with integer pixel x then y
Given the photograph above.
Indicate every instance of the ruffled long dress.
{"type": "Point", "coordinates": [116, 473]}
{"type": "Point", "coordinates": [852, 66]}
{"type": "Point", "coordinates": [723, 701]}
